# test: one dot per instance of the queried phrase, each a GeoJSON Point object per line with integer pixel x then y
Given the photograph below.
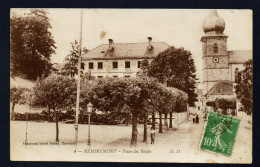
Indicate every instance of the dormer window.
{"type": "Point", "coordinates": [102, 51]}
{"type": "Point", "coordinates": [215, 48]}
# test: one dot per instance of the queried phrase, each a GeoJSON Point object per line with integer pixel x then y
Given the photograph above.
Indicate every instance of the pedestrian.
{"type": "Point", "coordinates": [193, 119]}
{"type": "Point", "coordinates": [205, 117]}
{"type": "Point", "coordinates": [197, 119]}
{"type": "Point", "coordinates": [152, 135]}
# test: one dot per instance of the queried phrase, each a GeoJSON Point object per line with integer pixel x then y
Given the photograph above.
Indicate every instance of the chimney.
{"type": "Point", "coordinates": [150, 47]}
{"type": "Point", "coordinates": [111, 43]}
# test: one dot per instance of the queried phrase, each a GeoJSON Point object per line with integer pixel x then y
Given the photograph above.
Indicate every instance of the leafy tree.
{"type": "Point", "coordinates": [175, 68]}
{"type": "Point", "coordinates": [112, 94]}
{"type": "Point", "coordinates": [56, 92]}
{"type": "Point", "coordinates": [71, 65]}
{"type": "Point", "coordinates": [244, 86]}
{"type": "Point", "coordinates": [141, 95]}
{"type": "Point", "coordinates": [17, 96]}
{"type": "Point", "coordinates": [222, 103]}
{"type": "Point", "coordinates": [31, 44]}
{"type": "Point", "coordinates": [225, 104]}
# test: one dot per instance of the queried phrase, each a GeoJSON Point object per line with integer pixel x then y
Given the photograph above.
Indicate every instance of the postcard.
{"type": "Point", "coordinates": [131, 85]}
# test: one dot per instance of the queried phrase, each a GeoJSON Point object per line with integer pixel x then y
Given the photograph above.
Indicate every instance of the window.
{"type": "Point", "coordinates": [127, 76]}
{"type": "Point", "coordinates": [90, 65]}
{"type": "Point", "coordinates": [138, 64]}
{"type": "Point", "coordinates": [215, 48]}
{"type": "Point", "coordinates": [115, 64]}
{"type": "Point", "coordinates": [127, 64]}
{"type": "Point", "coordinates": [100, 65]}
{"type": "Point", "coordinates": [82, 66]}
{"type": "Point", "coordinates": [100, 76]}
{"type": "Point", "coordinates": [115, 76]}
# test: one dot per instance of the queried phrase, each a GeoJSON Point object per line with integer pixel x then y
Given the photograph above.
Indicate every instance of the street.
{"type": "Point", "coordinates": [178, 144]}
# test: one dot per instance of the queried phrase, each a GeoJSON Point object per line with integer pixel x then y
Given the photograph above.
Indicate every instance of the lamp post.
{"type": "Point", "coordinates": [88, 112]}
{"type": "Point", "coordinates": [26, 118]}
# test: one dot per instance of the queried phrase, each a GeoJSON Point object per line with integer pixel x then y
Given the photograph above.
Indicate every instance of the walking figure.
{"type": "Point", "coordinates": [205, 117]}
{"type": "Point", "coordinates": [197, 119]}
{"type": "Point", "coordinates": [152, 135]}
{"type": "Point", "coordinates": [194, 121]}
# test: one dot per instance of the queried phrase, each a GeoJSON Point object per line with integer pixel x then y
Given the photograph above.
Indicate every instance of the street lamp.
{"type": "Point", "coordinates": [89, 110]}
{"type": "Point", "coordinates": [26, 118]}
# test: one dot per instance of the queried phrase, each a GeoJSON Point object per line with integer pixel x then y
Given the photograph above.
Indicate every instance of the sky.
{"type": "Point", "coordinates": [176, 27]}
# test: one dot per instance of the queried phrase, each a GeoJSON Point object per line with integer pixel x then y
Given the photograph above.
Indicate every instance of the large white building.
{"type": "Point", "coordinates": [120, 59]}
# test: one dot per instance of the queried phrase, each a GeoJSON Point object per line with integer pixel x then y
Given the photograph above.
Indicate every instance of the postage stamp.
{"type": "Point", "coordinates": [220, 134]}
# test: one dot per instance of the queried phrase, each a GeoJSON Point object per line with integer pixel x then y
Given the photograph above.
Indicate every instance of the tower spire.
{"type": "Point", "coordinates": [214, 12]}
{"type": "Point", "coordinates": [213, 23]}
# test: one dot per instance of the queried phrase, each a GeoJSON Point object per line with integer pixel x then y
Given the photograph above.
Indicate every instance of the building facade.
{"type": "Point", "coordinates": [120, 59]}
{"type": "Point", "coordinates": [219, 64]}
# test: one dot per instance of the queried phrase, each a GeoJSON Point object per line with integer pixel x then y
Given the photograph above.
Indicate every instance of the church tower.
{"type": "Point", "coordinates": [215, 55]}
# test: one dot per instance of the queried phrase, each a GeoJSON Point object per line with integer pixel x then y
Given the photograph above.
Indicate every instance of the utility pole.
{"type": "Point", "coordinates": [78, 82]}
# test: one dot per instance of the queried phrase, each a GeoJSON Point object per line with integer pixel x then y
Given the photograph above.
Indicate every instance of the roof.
{"type": "Point", "coordinates": [125, 50]}
{"type": "Point", "coordinates": [239, 56]}
{"type": "Point", "coordinates": [213, 22]}
{"type": "Point", "coordinates": [58, 66]}
{"type": "Point", "coordinates": [221, 88]}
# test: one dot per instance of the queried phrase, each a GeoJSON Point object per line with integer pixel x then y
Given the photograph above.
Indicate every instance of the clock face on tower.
{"type": "Point", "coordinates": [215, 59]}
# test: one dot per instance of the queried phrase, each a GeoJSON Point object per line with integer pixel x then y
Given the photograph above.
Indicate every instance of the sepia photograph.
{"type": "Point", "coordinates": [131, 85]}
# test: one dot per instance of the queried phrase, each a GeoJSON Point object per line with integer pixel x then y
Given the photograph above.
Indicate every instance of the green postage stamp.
{"type": "Point", "coordinates": [219, 134]}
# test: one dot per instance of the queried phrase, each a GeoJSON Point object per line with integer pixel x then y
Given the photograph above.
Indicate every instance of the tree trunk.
{"type": "Point", "coordinates": [160, 124]}
{"type": "Point", "coordinates": [134, 130]}
{"type": "Point", "coordinates": [49, 113]}
{"type": "Point", "coordinates": [170, 120]}
{"type": "Point", "coordinates": [12, 114]}
{"type": "Point", "coordinates": [57, 126]}
{"type": "Point", "coordinates": [165, 120]}
{"type": "Point", "coordinates": [153, 120]}
{"type": "Point", "coordinates": [145, 127]}
{"type": "Point", "coordinates": [127, 119]}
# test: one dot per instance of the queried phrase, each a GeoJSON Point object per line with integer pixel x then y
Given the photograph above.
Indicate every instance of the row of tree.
{"type": "Point", "coordinates": [140, 96]}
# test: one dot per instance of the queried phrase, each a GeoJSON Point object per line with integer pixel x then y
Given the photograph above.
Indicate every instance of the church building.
{"type": "Point", "coordinates": [219, 63]}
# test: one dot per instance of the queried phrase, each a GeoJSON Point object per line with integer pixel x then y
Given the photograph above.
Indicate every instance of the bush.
{"type": "Point", "coordinates": [222, 104]}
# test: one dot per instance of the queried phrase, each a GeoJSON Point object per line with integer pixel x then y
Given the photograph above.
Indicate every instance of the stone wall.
{"type": "Point", "coordinates": [221, 42]}
{"type": "Point", "coordinates": [209, 63]}
{"type": "Point", "coordinates": [216, 74]}
{"type": "Point", "coordinates": [179, 118]}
